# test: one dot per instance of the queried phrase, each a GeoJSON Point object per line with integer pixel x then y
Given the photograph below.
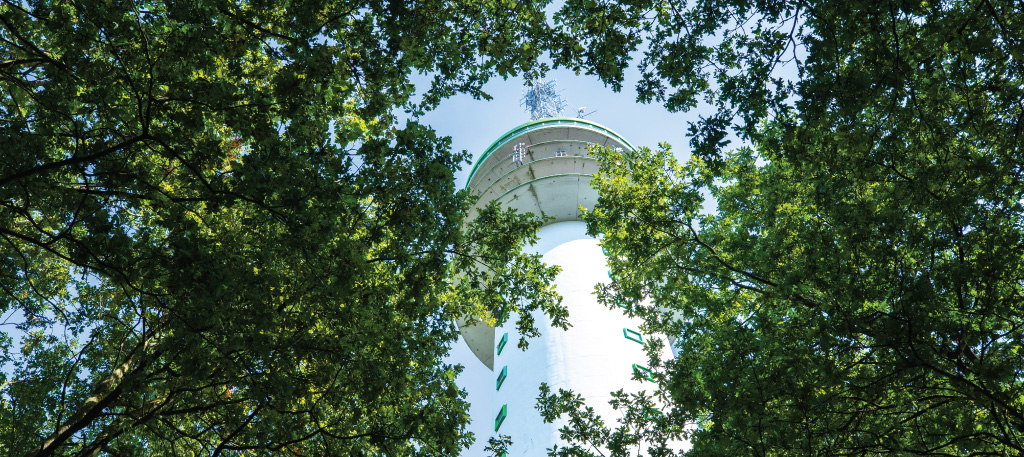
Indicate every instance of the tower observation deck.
{"type": "Point", "coordinates": [542, 167]}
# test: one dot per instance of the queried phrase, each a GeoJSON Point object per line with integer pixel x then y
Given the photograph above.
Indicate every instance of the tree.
{"type": "Point", "coordinates": [215, 239]}
{"type": "Point", "coordinates": [858, 289]}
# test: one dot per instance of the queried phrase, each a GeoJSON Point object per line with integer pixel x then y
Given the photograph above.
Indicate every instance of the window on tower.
{"type": "Point", "coordinates": [501, 417]}
{"type": "Point", "coordinates": [621, 303]}
{"type": "Point", "coordinates": [652, 414]}
{"type": "Point", "coordinates": [501, 378]}
{"type": "Point", "coordinates": [633, 335]}
{"type": "Point", "coordinates": [643, 372]}
{"type": "Point", "coordinates": [501, 344]}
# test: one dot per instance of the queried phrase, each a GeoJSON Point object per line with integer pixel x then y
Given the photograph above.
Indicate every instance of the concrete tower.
{"type": "Point", "coordinates": [542, 167]}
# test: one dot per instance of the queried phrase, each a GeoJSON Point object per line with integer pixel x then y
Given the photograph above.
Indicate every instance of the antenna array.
{"type": "Point", "coordinates": [541, 100]}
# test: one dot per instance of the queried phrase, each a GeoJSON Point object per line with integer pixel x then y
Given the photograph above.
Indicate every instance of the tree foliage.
{"type": "Point", "coordinates": [858, 289]}
{"type": "Point", "coordinates": [216, 239]}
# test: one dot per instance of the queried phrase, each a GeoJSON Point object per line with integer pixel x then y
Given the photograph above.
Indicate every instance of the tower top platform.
{"type": "Point", "coordinates": [542, 124]}
{"type": "Point", "coordinates": [540, 167]}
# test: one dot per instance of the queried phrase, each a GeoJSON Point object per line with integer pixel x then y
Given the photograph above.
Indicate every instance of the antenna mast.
{"type": "Point", "coordinates": [541, 100]}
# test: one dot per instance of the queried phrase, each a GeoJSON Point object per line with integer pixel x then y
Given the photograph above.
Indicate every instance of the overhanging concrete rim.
{"type": "Point", "coordinates": [550, 122]}
{"type": "Point", "coordinates": [489, 186]}
{"type": "Point", "coordinates": [591, 175]}
{"type": "Point", "coordinates": [536, 144]}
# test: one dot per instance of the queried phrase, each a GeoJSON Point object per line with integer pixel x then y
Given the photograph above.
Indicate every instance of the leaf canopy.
{"type": "Point", "coordinates": [858, 288]}
{"type": "Point", "coordinates": [216, 239]}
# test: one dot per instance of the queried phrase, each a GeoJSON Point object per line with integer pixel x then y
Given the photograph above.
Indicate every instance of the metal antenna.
{"type": "Point", "coordinates": [541, 100]}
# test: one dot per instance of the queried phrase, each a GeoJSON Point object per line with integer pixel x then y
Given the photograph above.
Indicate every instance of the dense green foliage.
{"type": "Point", "coordinates": [216, 239]}
{"type": "Point", "coordinates": [858, 289]}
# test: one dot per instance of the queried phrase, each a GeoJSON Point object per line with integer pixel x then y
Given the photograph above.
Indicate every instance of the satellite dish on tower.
{"type": "Point", "coordinates": [581, 110]}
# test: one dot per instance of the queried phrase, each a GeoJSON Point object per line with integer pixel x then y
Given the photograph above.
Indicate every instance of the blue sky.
{"type": "Point", "coordinates": [474, 124]}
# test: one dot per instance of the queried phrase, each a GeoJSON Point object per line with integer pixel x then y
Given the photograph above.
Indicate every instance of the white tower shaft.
{"type": "Point", "coordinates": [593, 357]}
{"type": "Point", "coordinates": [542, 167]}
